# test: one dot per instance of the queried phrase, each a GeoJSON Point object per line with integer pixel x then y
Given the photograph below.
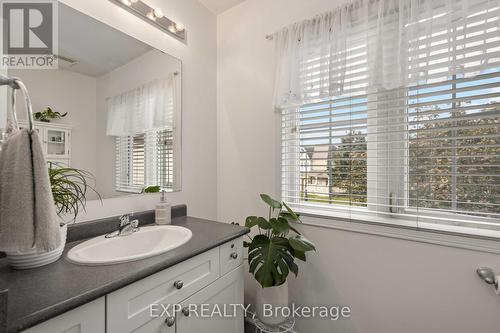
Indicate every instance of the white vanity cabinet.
{"type": "Point", "coordinates": [128, 309]}
{"type": "Point", "coordinates": [211, 280]}
{"type": "Point", "coordinates": [88, 318]}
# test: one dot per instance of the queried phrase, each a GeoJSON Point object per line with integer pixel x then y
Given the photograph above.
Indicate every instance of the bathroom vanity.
{"type": "Point", "coordinates": [65, 297]}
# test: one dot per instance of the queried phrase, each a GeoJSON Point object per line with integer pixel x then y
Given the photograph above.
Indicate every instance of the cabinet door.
{"type": "Point", "coordinates": [225, 294]}
{"type": "Point", "coordinates": [158, 325]}
{"type": "Point", "coordinates": [57, 143]}
{"type": "Point", "coordinates": [129, 309]}
{"type": "Point", "coordinates": [88, 318]}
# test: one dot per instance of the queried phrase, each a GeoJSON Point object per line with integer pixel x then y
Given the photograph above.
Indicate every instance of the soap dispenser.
{"type": "Point", "coordinates": [163, 212]}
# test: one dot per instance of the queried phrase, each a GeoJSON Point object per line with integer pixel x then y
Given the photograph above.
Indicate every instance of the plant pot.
{"type": "Point", "coordinates": [274, 298]}
{"type": "Point", "coordinates": [33, 258]}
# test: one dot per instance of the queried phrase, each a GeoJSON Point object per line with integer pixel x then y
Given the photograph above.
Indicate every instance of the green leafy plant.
{"type": "Point", "coordinates": [272, 252]}
{"type": "Point", "coordinates": [47, 114]}
{"type": "Point", "coordinates": [152, 189]}
{"type": "Point", "coordinates": [69, 189]}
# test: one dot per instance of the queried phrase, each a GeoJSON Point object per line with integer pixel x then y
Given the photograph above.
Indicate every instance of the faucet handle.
{"type": "Point", "coordinates": [125, 219]}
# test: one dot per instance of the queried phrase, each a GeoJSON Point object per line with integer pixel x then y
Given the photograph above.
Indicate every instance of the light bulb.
{"type": "Point", "coordinates": [158, 13]}
{"type": "Point", "coordinates": [126, 2]}
{"type": "Point", "coordinates": [179, 26]}
{"type": "Point", "coordinates": [134, 1]}
{"type": "Point", "coordinates": [172, 29]}
{"type": "Point", "coordinates": [151, 16]}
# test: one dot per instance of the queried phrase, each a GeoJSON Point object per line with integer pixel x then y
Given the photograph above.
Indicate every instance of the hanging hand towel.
{"type": "Point", "coordinates": [28, 219]}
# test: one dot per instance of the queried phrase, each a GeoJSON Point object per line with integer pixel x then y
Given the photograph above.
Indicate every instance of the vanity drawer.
{"type": "Point", "coordinates": [231, 255]}
{"type": "Point", "coordinates": [128, 309]}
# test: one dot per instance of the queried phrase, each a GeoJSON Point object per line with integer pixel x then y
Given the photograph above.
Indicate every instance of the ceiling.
{"type": "Point", "coordinates": [219, 6]}
{"type": "Point", "coordinates": [96, 47]}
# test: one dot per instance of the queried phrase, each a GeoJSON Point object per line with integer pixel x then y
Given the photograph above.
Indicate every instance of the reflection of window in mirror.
{"type": "Point", "coordinates": [145, 160]}
{"type": "Point", "coordinates": [143, 122]}
{"type": "Point", "coordinates": [114, 88]}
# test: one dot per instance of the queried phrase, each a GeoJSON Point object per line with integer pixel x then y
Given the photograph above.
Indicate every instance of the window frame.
{"type": "Point", "coordinates": [330, 211]}
{"type": "Point", "coordinates": [426, 222]}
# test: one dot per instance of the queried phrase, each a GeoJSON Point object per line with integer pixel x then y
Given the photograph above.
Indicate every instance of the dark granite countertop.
{"type": "Point", "coordinates": [39, 294]}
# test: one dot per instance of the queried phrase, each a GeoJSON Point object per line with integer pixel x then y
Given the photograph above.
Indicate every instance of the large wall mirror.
{"type": "Point", "coordinates": [112, 108]}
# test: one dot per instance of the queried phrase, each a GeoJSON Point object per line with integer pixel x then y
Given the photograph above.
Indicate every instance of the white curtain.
{"type": "Point", "coordinates": [143, 109]}
{"type": "Point", "coordinates": [401, 39]}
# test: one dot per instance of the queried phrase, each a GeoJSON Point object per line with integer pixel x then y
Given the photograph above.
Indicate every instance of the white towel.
{"type": "Point", "coordinates": [28, 219]}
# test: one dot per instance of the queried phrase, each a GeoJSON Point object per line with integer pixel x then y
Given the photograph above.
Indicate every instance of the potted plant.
{"type": "Point", "coordinates": [272, 253]}
{"type": "Point", "coordinates": [47, 114]}
{"type": "Point", "coordinates": [69, 190]}
{"type": "Point", "coordinates": [152, 189]}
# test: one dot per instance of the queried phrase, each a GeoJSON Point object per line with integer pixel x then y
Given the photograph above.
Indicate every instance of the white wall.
{"type": "Point", "coordinates": [392, 285]}
{"type": "Point", "coordinates": [198, 56]}
{"type": "Point", "coordinates": [146, 68]}
{"type": "Point", "coordinates": [65, 91]}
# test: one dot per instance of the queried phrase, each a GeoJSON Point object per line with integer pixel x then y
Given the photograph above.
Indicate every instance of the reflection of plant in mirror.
{"type": "Point", "coordinates": [152, 189]}
{"type": "Point", "coordinates": [69, 189]}
{"type": "Point", "coordinates": [48, 114]}
{"type": "Point", "coordinates": [272, 252]}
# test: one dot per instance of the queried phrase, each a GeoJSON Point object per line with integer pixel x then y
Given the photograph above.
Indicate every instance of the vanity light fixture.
{"type": "Point", "coordinates": [158, 13]}
{"type": "Point", "coordinates": [154, 16]}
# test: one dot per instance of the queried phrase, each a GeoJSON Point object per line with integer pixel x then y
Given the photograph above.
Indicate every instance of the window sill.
{"type": "Point", "coordinates": [437, 237]}
{"type": "Point", "coordinates": [129, 191]}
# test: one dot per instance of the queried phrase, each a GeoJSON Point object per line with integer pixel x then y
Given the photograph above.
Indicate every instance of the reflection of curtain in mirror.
{"type": "Point", "coordinates": [145, 108]}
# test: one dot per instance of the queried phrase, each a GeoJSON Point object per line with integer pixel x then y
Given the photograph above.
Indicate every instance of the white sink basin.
{"type": "Point", "coordinates": [145, 243]}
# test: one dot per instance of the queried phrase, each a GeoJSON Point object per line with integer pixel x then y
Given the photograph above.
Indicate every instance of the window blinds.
{"type": "Point", "coordinates": [145, 160]}
{"type": "Point", "coordinates": [425, 155]}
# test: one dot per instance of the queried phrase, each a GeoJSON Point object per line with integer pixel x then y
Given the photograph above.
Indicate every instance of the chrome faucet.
{"type": "Point", "coordinates": [125, 227]}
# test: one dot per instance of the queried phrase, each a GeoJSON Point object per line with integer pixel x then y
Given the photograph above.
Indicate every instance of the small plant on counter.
{"type": "Point", "coordinates": [47, 114]}
{"type": "Point", "coordinates": [272, 252]}
{"type": "Point", "coordinates": [152, 189]}
{"type": "Point", "coordinates": [69, 189]}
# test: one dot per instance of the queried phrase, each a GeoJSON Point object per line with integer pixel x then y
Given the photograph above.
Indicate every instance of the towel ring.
{"type": "Point", "coordinates": [17, 84]}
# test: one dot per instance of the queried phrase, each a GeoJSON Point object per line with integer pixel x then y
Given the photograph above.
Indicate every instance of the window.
{"type": "Point", "coordinates": [426, 155]}
{"type": "Point", "coordinates": [144, 160]}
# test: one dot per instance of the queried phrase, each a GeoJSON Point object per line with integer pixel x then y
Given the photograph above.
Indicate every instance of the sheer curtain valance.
{"type": "Point", "coordinates": [145, 108]}
{"type": "Point", "coordinates": [398, 43]}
